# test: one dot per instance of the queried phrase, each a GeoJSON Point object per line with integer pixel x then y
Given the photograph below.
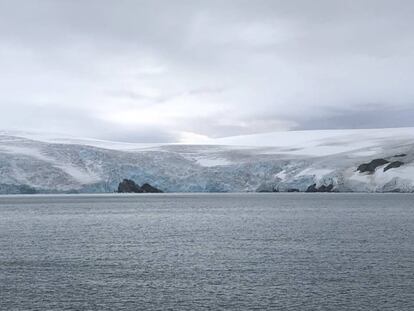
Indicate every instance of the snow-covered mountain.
{"type": "Point", "coordinates": [342, 160]}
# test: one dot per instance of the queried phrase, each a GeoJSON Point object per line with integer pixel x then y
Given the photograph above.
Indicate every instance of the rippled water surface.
{"type": "Point", "coordinates": [207, 252]}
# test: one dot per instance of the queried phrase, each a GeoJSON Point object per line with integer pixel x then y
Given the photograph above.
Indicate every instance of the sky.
{"type": "Point", "coordinates": [191, 70]}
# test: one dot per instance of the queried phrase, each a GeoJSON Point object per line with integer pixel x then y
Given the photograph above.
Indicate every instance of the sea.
{"type": "Point", "coordinates": [274, 251]}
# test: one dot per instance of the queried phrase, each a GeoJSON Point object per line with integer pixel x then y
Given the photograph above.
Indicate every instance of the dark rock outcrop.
{"type": "Point", "coordinates": [401, 155]}
{"type": "Point", "coordinates": [129, 186]}
{"type": "Point", "coordinates": [371, 166]}
{"type": "Point", "coordinates": [393, 165]}
{"type": "Point", "coordinates": [147, 188]}
{"type": "Point", "coordinates": [323, 188]}
{"type": "Point", "coordinates": [312, 188]}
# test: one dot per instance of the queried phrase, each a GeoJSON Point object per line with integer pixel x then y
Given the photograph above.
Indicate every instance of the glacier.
{"type": "Point", "coordinates": [281, 161]}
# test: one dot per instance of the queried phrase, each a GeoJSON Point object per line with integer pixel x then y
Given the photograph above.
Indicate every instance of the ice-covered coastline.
{"type": "Point", "coordinates": [284, 161]}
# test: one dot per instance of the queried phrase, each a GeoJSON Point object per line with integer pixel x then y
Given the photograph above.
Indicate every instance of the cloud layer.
{"type": "Point", "coordinates": [168, 71]}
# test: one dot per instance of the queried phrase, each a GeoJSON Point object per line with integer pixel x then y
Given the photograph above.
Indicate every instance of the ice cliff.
{"type": "Point", "coordinates": [344, 161]}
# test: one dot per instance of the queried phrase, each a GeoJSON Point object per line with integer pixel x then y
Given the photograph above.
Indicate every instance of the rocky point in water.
{"type": "Point", "coordinates": [150, 189]}
{"type": "Point", "coordinates": [323, 188]}
{"type": "Point", "coordinates": [129, 186]}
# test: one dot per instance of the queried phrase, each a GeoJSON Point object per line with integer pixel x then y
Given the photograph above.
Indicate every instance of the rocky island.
{"type": "Point", "coordinates": [129, 186]}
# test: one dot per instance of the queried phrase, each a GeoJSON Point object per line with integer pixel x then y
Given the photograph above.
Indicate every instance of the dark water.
{"type": "Point", "coordinates": [207, 252]}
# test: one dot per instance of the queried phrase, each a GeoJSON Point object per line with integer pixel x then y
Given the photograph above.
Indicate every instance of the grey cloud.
{"type": "Point", "coordinates": [366, 117]}
{"type": "Point", "coordinates": [215, 68]}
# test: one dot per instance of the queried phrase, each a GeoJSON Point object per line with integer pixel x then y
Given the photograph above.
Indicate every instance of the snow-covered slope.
{"type": "Point", "coordinates": [288, 161]}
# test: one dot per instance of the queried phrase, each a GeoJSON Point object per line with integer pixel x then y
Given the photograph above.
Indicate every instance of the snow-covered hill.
{"type": "Point", "coordinates": [283, 161]}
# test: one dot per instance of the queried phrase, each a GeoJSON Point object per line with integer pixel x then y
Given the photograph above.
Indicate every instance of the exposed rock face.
{"type": "Point", "coordinates": [129, 186]}
{"type": "Point", "coordinates": [149, 189]}
{"type": "Point", "coordinates": [312, 188]}
{"type": "Point", "coordinates": [371, 166]}
{"type": "Point", "coordinates": [393, 165]}
{"type": "Point", "coordinates": [323, 188]}
{"type": "Point", "coordinates": [401, 155]}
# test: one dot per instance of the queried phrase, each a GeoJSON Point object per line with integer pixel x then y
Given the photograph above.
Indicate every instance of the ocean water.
{"type": "Point", "coordinates": [207, 252]}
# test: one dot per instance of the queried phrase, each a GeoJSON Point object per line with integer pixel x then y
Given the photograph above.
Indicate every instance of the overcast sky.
{"type": "Point", "coordinates": [181, 71]}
